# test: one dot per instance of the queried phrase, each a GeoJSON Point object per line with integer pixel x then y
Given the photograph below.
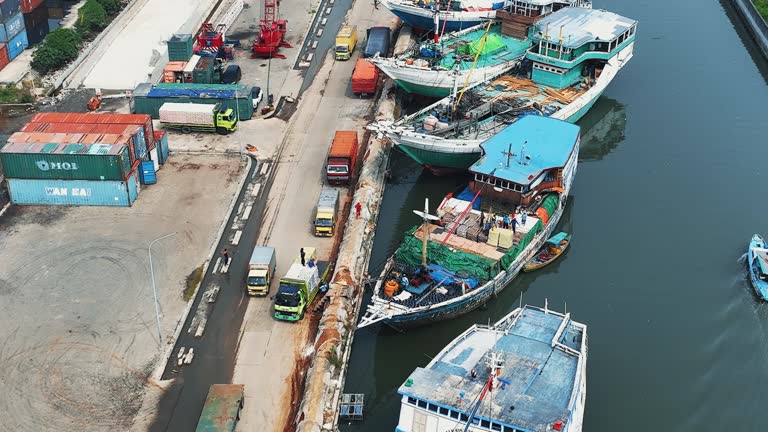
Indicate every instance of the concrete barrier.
{"type": "Point", "coordinates": [325, 379]}
{"type": "Point", "coordinates": [756, 24]}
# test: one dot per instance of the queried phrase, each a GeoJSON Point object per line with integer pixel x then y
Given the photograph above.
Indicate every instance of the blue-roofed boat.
{"type": "Point", "coordinates": [575, 54]}
{"type": "Point", "coordinates": [470, 56]}
{"type": "Point", "coordinates": [526, 373]}
{"type": "Point", "coordinates": [478, 242]}
{"type": "Point", "coordinates": [757, 262]}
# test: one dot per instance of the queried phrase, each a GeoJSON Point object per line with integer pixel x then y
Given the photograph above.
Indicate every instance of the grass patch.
{"type": "Point", "coordinates": [762, 7]}
{"type": "Point", "coordinates": [193, 280]}
{"type": "Point", "coordinates": [10, 94]}
{"type": "Point", "coordinates": [334, 359]}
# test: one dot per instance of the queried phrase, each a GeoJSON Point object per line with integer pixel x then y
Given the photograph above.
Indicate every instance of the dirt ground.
{"type": "Point", "coordinates": [78, 332]}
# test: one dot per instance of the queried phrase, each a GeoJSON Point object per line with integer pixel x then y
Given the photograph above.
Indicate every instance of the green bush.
{"type": "Point", "coordinates": [91, 18]}
{"type": "Point", "coordinates": [112, 7]}
{"type": "Point", "coordinates": [762, 7]}
{"type": "Point", "coordinates": [59, 47]}
{"type": "Point", "coordinates": [10, 94]}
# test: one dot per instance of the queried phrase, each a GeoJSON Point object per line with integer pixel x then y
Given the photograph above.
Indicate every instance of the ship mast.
{"type": "Point", "coordinates": [425, 217]}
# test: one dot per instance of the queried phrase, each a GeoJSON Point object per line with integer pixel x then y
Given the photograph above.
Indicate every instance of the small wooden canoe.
{"type": "Point", "coordinates": [550, 250]}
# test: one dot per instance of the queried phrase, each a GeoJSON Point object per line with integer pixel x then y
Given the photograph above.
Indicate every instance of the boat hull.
{"type": "Point", "coordinates": [438, 153]}
{"type": "Point", "coordinates": [534, 265]}
{"type": "Point", "coordinates": [423, 19]}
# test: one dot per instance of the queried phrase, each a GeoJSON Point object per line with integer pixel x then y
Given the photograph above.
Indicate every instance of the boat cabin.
{"type": "Point", "coordinates": [529, 157]}
{"type": "Point", "coordinates": [575, 42]}
{"type": "Point", "coordinates": [520, 14]}
{"type": "Point", "coordinates": [760, 263]}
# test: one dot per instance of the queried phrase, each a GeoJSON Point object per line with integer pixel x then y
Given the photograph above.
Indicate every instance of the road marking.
{"type": "Point", "coordinates": [319, 32]}
{"type": "Point", "coordinates": [325, 20]}
{"type": "Point", "coordinates": [264, 168]}
{"type": "Point", "coordinates": [236, 240]}
{"type": "Point", "coordinates": [331, 2]}
{"type": "Point", "coordinates": [234, 223]}
{"type": "Point", "coordinates": [247, 212]}
{"type": "Point", "coordinates": [314, 45]}
{"type": "Point", "coordinates": [240, 208]}
{"type": "Point", "coordinates": [328, 11]}
{"type": "Point", "coordinates": [309, 57]}
{"type": "Point", "coordinates": [216, 266]}
{"type": "Point", "coordinates": [225, 268]}
{"type": "Point", "coordinates": [256, 188]}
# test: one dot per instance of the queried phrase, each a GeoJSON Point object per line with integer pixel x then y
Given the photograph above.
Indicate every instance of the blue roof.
{"type": "Point", "coordinates": [548, 142]}
{"type": "Point", "coordinates": [540, 374]}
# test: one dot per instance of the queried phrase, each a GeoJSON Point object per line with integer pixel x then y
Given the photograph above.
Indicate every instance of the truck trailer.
{"type": "Point", "coordinates": [261, 270]}
{"type": "Point", "coordinates": [325, 218]}
{"type": "Point", "coordinates": [342, 157]}
{"type": "Point", "coordinates": [189, 117]}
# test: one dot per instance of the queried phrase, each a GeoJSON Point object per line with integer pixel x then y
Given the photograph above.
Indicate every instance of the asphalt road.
{"type": "Point", "coordinates": [215, 351]}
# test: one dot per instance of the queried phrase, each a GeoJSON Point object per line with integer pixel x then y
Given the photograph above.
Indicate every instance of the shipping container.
{"type": "Point", "coordinates": [66, 161]}
{"type": "Point", "coordinates": [189, 69]}
{"type": "Point", "coordinates": [9, 8]}
{"type": "Point", "coordinates": [148, 99]}
{"type": "Point", "coordinates": [73, 192]}
{"type": "Point", "coordinates": [28, 6]}
{"type": "Point", "coordinates": [173, 71]}
{"type": "Point", "coordinates": [36, 24]}
{"type": "Point", "coordinates": [154, 156]}
{"type": "Point", "coordinates": [203, 73]}
{"type": "Point", "coordinates": [180, 47]}
{"type": "Point", "coordinates": [3, 56]}
{"type": "Point", "coordinates": [147, 174]}
{"type": "Point", "coordinates": [17, 45]}
{"type": "Point", "coordinates": [161, 140]}
{"type": "Point", "coordinates": [133, 136]}
{"type": "Point", "coordinates": [11, 27]}
{"type": "Point", "coordinates": [142, 120]}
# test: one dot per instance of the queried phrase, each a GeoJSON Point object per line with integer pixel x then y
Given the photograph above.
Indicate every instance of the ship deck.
{"type": "Point", "coordinates": [537, 378]}
{"type": "Point", "coordinates": [512, 49]}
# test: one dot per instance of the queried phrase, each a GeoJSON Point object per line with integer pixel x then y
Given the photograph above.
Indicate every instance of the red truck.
{"type": "Point", "coordinates": [342, 158]}
{"type": "Point", "coordinates": [364, 78]}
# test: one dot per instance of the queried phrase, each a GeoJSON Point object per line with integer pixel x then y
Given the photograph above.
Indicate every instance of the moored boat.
{"type": "Point", "coordinates": [468, 57]}
{"type": "Point", "coordinates": [479, 241]}
{"type": "Point", "coordinates": [757, 263]}
{"type": "Point", "coordinates": [527, 372]}
{"type": "Point", "coordinates": [456, 16]}
{"type": "Point", "coordinates": [569, 70]}
{"type": "Point", "coordinates": [550, 251]}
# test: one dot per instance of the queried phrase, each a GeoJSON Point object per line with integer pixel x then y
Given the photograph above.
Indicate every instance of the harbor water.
{"type": "Point", "coordinates": [667, 195]}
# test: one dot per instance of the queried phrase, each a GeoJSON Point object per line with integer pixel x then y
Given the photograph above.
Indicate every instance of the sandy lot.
{"type": "Point", "coordinates": [78, 330]}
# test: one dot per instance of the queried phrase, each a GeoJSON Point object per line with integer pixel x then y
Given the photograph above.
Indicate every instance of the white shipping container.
{"type": "Point", "coordinates": [187, 113]}
{"type": "Point", "coordinates": [190, 67]}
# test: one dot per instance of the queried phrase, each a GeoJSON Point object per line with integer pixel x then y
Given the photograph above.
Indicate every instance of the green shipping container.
{"type": "Point", "coordinates": [143, 104]}
{"type": "Point", "coordinates": [180, 47]}
{"type": "Point", "coordinates": [66, 161]}
{"type": "Point", "coordinates": [203, 73]}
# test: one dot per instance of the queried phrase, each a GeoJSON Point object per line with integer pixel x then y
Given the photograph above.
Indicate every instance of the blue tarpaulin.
{"type": "Point", "coordinates": [467, 195]}
{"type": "Point", "coordinates": [202, 93]}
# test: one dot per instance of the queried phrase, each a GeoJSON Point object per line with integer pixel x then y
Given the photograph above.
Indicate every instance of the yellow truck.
{"type": "Point", "coordinates": [325, 218]}
{"type": "Point", "coordinates": [346, 40]}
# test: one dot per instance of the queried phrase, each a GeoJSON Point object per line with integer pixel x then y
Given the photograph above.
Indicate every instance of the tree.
{"type": "Point", "coordinates": [91, 17]}
{"type": "Point", "coordinates": [112, 7]}
{"type": "Point", "coordinates": [59, 47]}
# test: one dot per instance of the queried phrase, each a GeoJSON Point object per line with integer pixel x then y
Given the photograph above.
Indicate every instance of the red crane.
{"type": "Point", "coordinates": [271, 33]}
{"type": "Point", "coordinates": [209, 39]}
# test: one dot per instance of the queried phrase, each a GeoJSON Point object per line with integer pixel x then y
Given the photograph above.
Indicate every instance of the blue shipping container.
{"type": "Point", "coordinates": [140, 144]}
{"type": "Point", "coordinates": [12, 27]}
{"type": "Point", "coordinates": [164, 151]}
{"type": "Point", "coordinates": [17, 45]}
{"type": "Point", "coordinates": [147, 175]}
{"type": "Point", "coordinates": [9, 8]}
{"type": "Point", "coordinates": [73, 192]}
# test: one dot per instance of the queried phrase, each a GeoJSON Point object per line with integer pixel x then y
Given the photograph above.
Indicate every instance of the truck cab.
{"type": "Point", "coordinates": [226, 119]}
{"type": "Point", "coordinates": [297, 290]}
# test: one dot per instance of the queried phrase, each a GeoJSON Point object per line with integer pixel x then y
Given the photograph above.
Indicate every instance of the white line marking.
{"type": "Point", "coordinates": [216, 266]}
{"type": "Point", "coordinates": [264, 168]}
{"type": "Point", "coordinates": [247, 212]}
{"type": "Point", "coordinates": [240, 208]}
{"type": "Point", "coordinates": [314, 45]}
{"type": "Point", "coordinates": [236, 240]}
{"type": "Point", "coordinates": [327, 11]}
{"type": "Point", "coordinates": [256, 188]}
{"type": "Point", "coordinates": [309, 56]}
{"type": "Point", "coordinates": [225, 269]}
{"type": "Point", "coordinates": [325, 20]}
{"type": "Point", "coordinates": [319, 32]}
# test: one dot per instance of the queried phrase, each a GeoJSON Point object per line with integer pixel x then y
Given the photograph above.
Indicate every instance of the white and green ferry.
{"type": "Point", "coordinates": [468, 57]}
{"type": "Point", "coordinates": [576, 53]}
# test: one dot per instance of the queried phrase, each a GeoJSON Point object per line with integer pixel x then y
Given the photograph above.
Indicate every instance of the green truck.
{"type": "Point", "coordinates": [189, 117]}
{"type": "Point", "coordinates": [298, 288]}
{"type": "Point", "coordinates": [221, 411]}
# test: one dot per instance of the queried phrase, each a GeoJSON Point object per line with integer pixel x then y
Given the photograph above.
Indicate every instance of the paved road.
{"type": "Point", "coordinates": [215, 350]}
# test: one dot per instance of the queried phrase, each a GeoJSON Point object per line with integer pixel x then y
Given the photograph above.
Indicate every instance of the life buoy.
{"type": "Point", "coordinates": [390, 288]}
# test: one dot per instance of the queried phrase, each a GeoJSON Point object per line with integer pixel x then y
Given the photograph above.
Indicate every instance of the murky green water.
{"type": "Point", "coordinates": [669, 191]}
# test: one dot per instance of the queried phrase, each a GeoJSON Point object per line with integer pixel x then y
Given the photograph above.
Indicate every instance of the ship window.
{"type": "Point", "coordinates": [485, 423]}
{"type": "Point", "coordinates": [412, 401]}
{"type": "Point", "coordinates": [464, 417]}
{"type": "Point", "coordinates": [454, 414]}
{"type": "Point", "coordinates": [422, 404]}
{"type": "Point", "coordinates": [475, 421]}
{"type": "Point", "coordinates": [432, 408]}
{"type": "Point", "coordinates": [444, 411]}
{"type": "Point", "coordinates": [496, 427]}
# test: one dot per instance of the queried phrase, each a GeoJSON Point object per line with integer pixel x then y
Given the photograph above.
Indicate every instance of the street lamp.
{"type": "Point", "coordinates": [154, 289]}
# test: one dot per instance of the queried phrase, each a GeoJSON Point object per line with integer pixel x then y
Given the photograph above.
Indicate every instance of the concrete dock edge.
{"type": "Point", "coordinates": [756, 24]}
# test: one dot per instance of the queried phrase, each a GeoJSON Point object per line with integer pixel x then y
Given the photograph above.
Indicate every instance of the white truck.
{"type": "Point", "coordinates": [189, 117]}
{"type": "Point", "coordinates": [261, 270]}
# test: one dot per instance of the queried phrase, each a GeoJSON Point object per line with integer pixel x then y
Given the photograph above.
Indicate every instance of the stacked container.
{"type": "Point", "coordinates": [35, 20]}
{"type": "Point", "coordinates": [180, 47]}
{"type": "Point", "coordinates": [70, 174]}
{"type": "Point", "coordinates": [12, 32]}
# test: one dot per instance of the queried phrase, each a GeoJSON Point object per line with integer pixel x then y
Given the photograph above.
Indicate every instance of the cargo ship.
{"type": "Point", "coordinates": [527, 372]}
{"type": "Point", "coordinates": [468, 57]}
{"type": "Point", "coordinates": [576, 53]}
{"type": "Point", "coordinates": [482, 236]}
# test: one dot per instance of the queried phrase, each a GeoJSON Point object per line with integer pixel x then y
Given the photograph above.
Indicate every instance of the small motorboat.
{"type": "Point", "coordinates": [757, 262]}
{"type": "Point", "coordinates": [550, 250]}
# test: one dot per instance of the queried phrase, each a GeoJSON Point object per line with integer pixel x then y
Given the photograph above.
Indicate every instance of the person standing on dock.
{"type": "Point", "coordinates": [225, 254]}
{"type": "Point", "coordinates": [523, 218]}
{"type": "Point", "coordinates": [302, 255]}
{"type": "Point", "coordinates": [482, 219]}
